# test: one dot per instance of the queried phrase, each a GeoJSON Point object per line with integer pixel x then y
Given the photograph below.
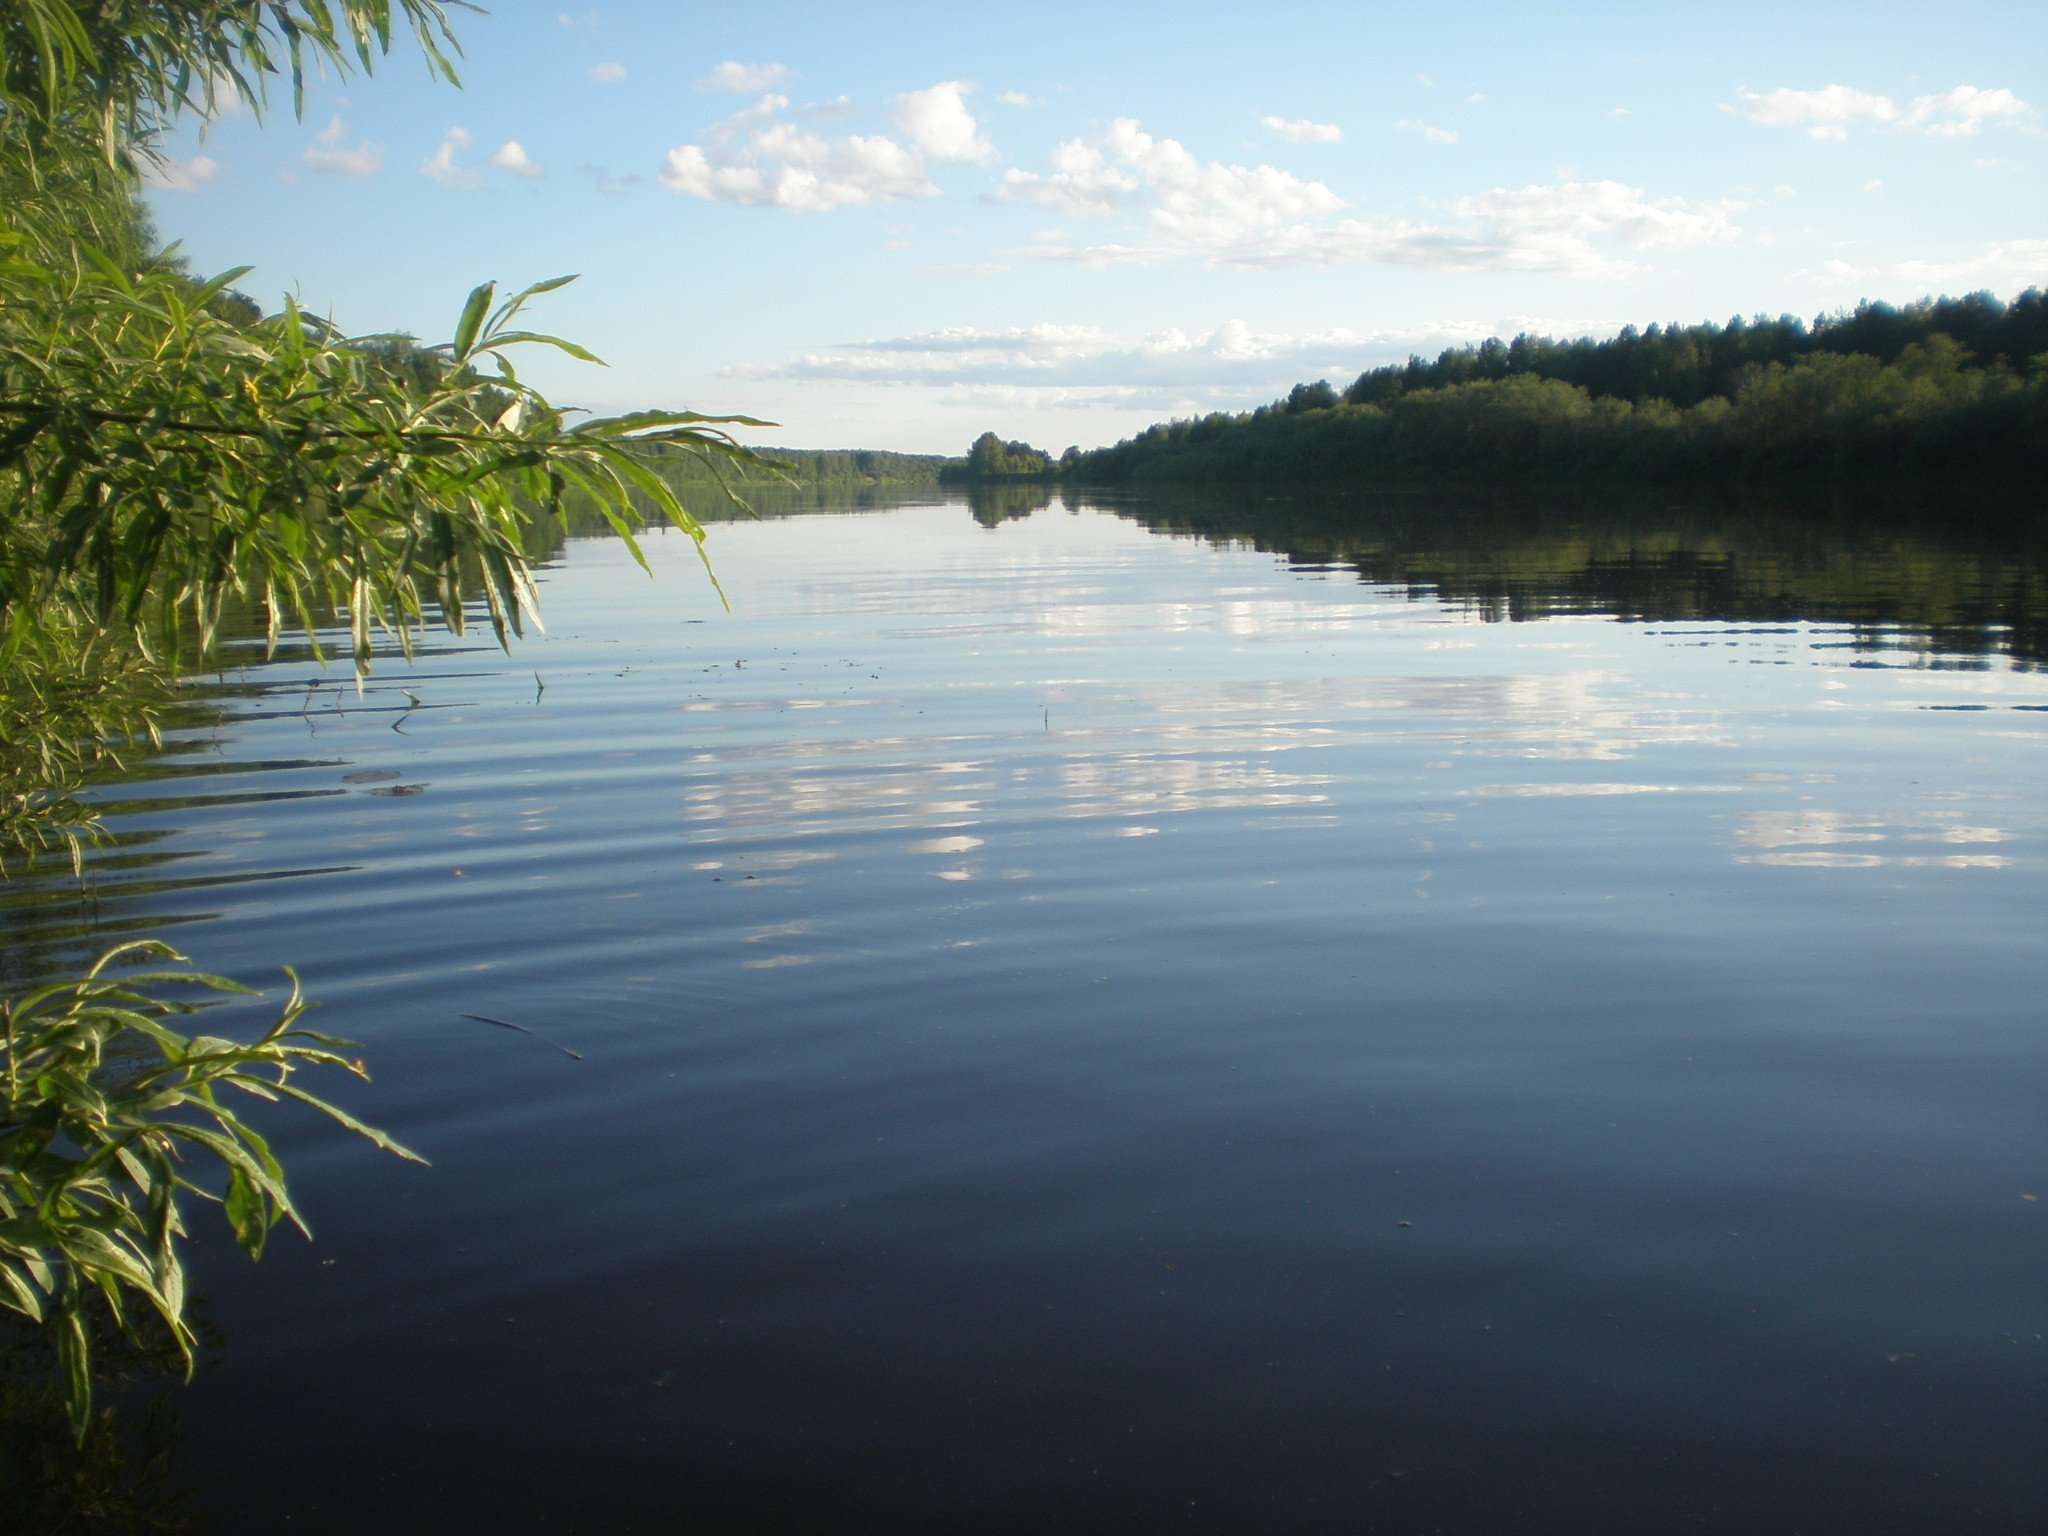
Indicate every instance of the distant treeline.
{"type": "Point", "coordinates": [1945, 385]}
{"type": "Point", "coordinates": [788, 480]}
{"type": "Point", "coordinates": [991, 461]}
{"type": "Point", "coordinates": [830, 467]}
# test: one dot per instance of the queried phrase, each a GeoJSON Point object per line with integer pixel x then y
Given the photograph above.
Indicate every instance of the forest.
{"type": "Point", "coordinates": [1941, 387]}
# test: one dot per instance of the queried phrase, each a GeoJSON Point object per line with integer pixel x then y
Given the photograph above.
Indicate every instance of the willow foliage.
{"type": "Point", "coordinates": [167, 453]}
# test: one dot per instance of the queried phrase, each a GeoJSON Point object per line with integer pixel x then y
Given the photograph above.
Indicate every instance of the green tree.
{"type": "Point", "coordinates": [990, 458]}
{"type": "Point", "coordinates": [165, 453]}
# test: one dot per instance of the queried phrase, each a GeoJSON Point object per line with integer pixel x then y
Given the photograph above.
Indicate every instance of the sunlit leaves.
{"type": "Point", "coordinates": [158, 460]}
{"type": "Point", "coordinates": [130, 65]}
{"type": "Point", "coordinates": [98, 1144]}
{"type": "Point", "coordinates": [165, 455]}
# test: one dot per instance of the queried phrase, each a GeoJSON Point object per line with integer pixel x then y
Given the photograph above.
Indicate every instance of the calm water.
{"type": "Point", "coordinates": [1090, 1028]}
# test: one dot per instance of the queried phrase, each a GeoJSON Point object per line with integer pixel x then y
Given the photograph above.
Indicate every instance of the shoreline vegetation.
{"type": "Point", "coordinates": [1948, 387]}
{"type": "Point", "coordinates": [172, 460]}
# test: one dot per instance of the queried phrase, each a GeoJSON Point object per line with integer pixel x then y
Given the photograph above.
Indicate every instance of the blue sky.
{"type": "Point", "coordinates": [898, 226]}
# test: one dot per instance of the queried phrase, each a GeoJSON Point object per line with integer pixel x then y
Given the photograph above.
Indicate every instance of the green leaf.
{"type": "Point", "coordinates": [74, 1355]}
{"type": "Point", "coordinates": [21, 1296]}
{"type": "Point", "coordinates": [248, 1213]}
{"type": "Point", "coordinates": [472, 320]}
{"type": "Point", "coordinates": [341, 1117]}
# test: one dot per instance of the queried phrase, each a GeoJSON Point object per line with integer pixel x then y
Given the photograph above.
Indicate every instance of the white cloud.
{"type": "Point", "coordinates": [1830, 112]}
{"type": "Point", "coordinates": [328, 156]}
{"type": "Point", "coordinates": [2015, 260]}
{"type": "Point", "coordinates": [170, 174]}
{"type": "Point", "coordinates": [1231, 357]}
{"type": "Point", "coordinates": [829, 111]}
{"type": "Point", "coordinates": [938, 123]}
{"type": "Point", "coordinates": [1827, 113]}
{"type": "Point", "coordinates": [1433, 134]}
{"type": "Point", "coordinates": [1574, 209]}
{"type": "Point", "coordinates": [511, 156]}
{"type": "Point", "coordinates": [1016, 99]}
{"type": "Point", "coordinates": [1208, 201]}
{"type": "Point", "coordinates": [1081, 182]}
{"type": "Point", "coordinates": [1302, 131]}
{"type": "Point", "coordinates": [1194, 202]}
{"type": "Point", "coordinates": [748, 119]}
{"type": "Point", "coordinates": [1836, 273]}
{"type": "Point", "coordinates": [441, 166]}
{"type": "Point", "coordinates": [1962, 111]}
{"type": "Point", "coordinates": [607, 73]}
{"type": "Point", "coordinates": [735, 76]}
{"type": "Point", "coordinates": [758, 160]}
{"type": "Point", "coordinates": [760, 157]}
{"type": "Point", "coordinates": [1567, 227]}
{"type": "Point", "coordinates": [581, 22]}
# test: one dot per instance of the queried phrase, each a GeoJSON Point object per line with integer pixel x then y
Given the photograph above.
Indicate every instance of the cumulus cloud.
{"type": "Point", "coordinates": [758, 159]}
{"type": "Point", "coordinates": [442, 165]}
{"type": "Point", "coordinates": [735, 76]}
{"type": "Point", "coordinates": [937, 121]}
{"type": "Point", "coordinates": [761, 156]}
{"type": "Point", "coordinates": [1428, 131]}
{"type": "Point", "coordinates": [1231, 216]}
{"type": "Point", "coordinates": [1209, 201]}
{"type": "Point", "coordinates": [511, 156]}
{"type": "Point", "coordinates": [1016, 99]}
{"type": "Point", "coordinates": [1194, 202]}
{"type": "Point", "coordinates": [1962, 111]}
{"type": "Point", "coordinates": [1081, 181]}
{"type": "Point", "coordinates": [1302, 131]}
{"type": "Point", "coordinates": [607, 73]}
{"type": "Point", "coordinates": [1827, 113]}
{"type": "Point", "coordinates": [330, 156]}
{"type": "Point", "coordinates": [170, 174]}
{"type": "Point", "coordinates": [1830, 112]}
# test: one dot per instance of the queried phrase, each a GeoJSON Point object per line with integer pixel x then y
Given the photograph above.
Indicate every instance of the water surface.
{"type": "Point", "coordinates": [1141, 1018]}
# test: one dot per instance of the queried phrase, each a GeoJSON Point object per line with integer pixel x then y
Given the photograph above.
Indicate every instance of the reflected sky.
{"type": "Point", "coordinates": [1072, 988]}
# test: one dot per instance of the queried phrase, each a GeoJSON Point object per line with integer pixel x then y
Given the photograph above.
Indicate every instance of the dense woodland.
{"type": "Point", "coordinates": [826, 467]}
{"type": "Point", "coordinates": [991, 460]}
{"type": "Point", "coordinates": [1943, 386]}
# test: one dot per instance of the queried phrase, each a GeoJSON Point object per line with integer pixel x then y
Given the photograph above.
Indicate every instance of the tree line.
{"type": "Point", "coordinates": [1943, 386]}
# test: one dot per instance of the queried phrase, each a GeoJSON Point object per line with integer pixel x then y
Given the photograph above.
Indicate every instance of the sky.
{"type": "Point", "coordinates": [900, 226]}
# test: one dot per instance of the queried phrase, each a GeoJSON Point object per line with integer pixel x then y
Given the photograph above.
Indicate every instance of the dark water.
{"type": "Point", "coordinates": [1150, 1019]}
